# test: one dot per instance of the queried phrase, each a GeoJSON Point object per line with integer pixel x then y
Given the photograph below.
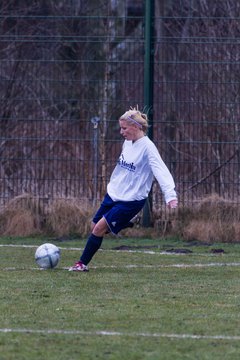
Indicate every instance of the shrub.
{"type": "Point", "coordinates": [213, 219]}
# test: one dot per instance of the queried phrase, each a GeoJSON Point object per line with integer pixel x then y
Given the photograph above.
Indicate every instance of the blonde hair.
{"type": "Point", "coordinates": [136, 117]}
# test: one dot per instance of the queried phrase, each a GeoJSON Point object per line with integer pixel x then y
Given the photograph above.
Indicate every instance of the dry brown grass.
{"type": "Point", "coordinates": [25, 216]}
{"type": "Point", "coordinates": [139, 232]}
{"type": "Point", "coordinates": [69, 216]}
{"type": "Point", "coordinates": [19, 224]}
{"type": "Point", "coordinates": [22, 216]}
{"type": "Point", "coordinates": [213, 219]}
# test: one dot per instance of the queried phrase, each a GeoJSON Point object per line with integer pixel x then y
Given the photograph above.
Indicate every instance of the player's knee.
{"type": "Point", "coordinates": [99, 229]}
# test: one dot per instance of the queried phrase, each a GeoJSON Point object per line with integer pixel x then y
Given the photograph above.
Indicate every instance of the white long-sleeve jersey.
{"type": "Point", "coordinates": [133, 175]}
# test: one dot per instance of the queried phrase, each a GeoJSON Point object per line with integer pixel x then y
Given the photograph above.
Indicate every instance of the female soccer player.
{"type": "Point", "coordinates": [129, 185]}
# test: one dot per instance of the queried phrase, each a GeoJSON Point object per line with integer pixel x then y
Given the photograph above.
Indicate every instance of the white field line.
{"type": "Point", "coordinates": [111, 250]}
{"type": "Point", "coordinates": [119, 333]}
{"type": "Point", "coordinates": [165, 266]}
{"type": "Point", "coordinates": [131, 266]}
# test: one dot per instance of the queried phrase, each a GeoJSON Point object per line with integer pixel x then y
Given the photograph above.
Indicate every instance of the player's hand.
{"type": "Point", "coordinates": [173, 204]}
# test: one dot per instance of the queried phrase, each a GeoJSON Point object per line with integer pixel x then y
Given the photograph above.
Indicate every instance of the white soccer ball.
{"type": "Point", "coordinates": [47, 256]}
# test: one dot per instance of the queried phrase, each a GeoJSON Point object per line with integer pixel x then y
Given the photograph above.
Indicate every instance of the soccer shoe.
{"type": "Point", "coordinates": [78, 266]}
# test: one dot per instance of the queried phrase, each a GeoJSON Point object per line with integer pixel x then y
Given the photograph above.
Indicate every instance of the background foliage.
{"type": "Point", "coordinates": [69, 69]}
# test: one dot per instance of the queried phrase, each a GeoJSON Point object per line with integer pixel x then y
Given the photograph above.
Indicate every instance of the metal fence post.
{"type": "Point", "coordinates": [95, 120]}
{"type": "Point", "coordinates": [148, 87]}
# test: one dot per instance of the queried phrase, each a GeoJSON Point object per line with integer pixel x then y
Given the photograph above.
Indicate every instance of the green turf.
{"type": "Point", "coordinates": [129, 306]}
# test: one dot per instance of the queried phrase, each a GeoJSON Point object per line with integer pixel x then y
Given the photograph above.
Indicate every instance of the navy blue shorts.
{"type": "Point", "coordinates": [118, 213]}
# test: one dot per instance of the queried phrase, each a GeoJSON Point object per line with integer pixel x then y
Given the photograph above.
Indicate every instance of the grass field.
{"type": "Point", "coordinates": [142, 299]}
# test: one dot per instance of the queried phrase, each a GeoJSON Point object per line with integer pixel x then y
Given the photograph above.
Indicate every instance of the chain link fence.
{"type": "Point", "coordinates": [69, 69]}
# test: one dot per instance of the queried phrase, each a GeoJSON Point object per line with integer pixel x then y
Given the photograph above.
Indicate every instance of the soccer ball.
{"type": "Point", "coordinates": [47, 256]}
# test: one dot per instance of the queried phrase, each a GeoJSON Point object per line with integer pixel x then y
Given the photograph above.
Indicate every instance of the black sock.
{"type": "Point", "coordinates": [92, 246]}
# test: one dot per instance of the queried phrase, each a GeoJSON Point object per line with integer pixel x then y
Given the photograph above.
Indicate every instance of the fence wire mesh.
{"type": "Point", "coordinates": [69, 69]}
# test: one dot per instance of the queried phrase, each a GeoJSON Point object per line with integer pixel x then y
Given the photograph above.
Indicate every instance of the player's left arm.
{"type": "Point", "coordinates": [163, 176]}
